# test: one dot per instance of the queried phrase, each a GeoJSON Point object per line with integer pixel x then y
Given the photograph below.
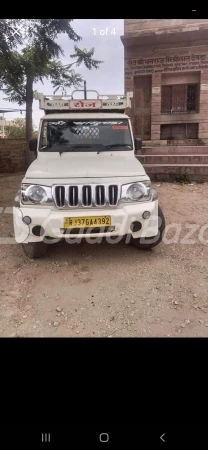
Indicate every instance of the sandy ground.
{"type": "Point", "coordinates": [109, 290]}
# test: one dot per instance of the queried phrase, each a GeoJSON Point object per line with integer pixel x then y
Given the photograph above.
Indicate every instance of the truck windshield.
{"type": "Point", "coordinates": [80, 136]}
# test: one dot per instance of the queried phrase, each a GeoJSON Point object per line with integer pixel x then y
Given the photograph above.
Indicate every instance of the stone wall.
{"type": "Point", "coordinates": [182, 58]}
{"type": "Point", "coordinates": [145, 26]}
{"type": "Point", "coordinates": [13, 155]}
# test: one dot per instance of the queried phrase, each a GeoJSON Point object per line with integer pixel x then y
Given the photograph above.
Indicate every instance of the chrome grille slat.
{"type": "Point", "coordinates": [59, 193]}
{"type": "Point", "coordinates": [113, 194]}
{"type": "Point", "coordinates": [80, 195]}
{"type": "Point", "coordinates": [73, 196]}
{"type": "Point", "coordinates": [86, 196]}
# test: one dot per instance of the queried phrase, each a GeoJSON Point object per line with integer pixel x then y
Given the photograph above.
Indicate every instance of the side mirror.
{"type": "Point", "coordinates": [138, 143]}
{"type": "Point", "coordinates": [33, 143]}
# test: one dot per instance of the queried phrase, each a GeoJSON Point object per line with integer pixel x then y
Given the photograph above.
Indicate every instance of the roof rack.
{"type": "Point", "coordinates": [67, 103]}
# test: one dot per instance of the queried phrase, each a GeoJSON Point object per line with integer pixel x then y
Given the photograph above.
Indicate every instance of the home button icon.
{"type": "Point", "coordinates": [104, 437]}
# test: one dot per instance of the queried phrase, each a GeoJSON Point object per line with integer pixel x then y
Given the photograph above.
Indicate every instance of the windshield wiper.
{"type": "Point", "coordinates": [76, 146]}
{"type": "Point", "coordinates": [109, 146]}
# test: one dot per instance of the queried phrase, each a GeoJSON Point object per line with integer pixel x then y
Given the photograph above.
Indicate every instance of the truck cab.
{"type": "Point", "coordinates": [86, 182]}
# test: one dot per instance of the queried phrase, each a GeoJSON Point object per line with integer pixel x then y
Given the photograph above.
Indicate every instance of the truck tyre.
{"type": "Point", "coordinates": [35, 249]}
{"type": "Point", "coordinates": [156, 239]}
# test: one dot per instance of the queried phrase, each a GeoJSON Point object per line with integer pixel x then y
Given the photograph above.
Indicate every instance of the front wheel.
{"type": "Point", "coordinates": [35, 249]}
{"type": "Point", "coordinates": [155, 239]}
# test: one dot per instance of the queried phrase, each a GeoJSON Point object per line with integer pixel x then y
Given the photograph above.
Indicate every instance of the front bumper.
{"type": "Point", "coordinates": [52, 221]}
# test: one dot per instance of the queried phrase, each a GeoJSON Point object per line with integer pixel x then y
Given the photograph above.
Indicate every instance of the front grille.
{"type": "Point", "coordinates": [60, 196]}
{"type": "Point", "coordinates": [100, 195]}
{"type": "Point", "coordinates": [92, 195]}
{"type": "Point", "coordinates": [113, 194]}
{"type": "Point", "coordinates": [87, 196]}
{"type": "Point", "coordinates": [73, 195]}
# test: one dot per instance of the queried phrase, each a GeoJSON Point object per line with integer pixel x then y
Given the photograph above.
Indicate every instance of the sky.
{"type": "Point", "coordinates": [104, 35]}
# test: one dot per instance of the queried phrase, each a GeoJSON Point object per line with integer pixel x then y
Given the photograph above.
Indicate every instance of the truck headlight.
{"type": "Point", "coordinates": [135, 192]}
{"type": "Point", "coordinates": [35, 194]}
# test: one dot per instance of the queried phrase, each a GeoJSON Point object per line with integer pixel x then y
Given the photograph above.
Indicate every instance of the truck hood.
{"type": "Point", "coordinates": [98, 165]}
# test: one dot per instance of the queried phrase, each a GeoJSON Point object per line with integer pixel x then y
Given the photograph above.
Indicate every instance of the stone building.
{"type": "Point", "coordinates": [166, 67]}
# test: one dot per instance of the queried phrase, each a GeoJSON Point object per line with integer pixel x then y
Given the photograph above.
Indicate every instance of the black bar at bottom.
{"type": "Point", "coordinates": [104, 436]}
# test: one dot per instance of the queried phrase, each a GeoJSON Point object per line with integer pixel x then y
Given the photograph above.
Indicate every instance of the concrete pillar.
{"type": "Point", "coordinates": [203, 106]}
{"type": "Point", "coordinates": [156, 106]}
{"type": "Point", "coordinates": [129, 87]}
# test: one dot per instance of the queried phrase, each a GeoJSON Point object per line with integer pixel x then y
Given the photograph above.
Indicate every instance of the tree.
{"type": "Point", "coordinates": [18, 130]}
{"type": "Point", "coordinates": [39, 60]}
{"type": "Point", "coordinates": [10, 35]}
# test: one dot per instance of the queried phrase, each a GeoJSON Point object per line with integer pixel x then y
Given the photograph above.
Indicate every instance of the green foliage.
{"type": "Point", "coordinates": [18, 130]}
{"type": "Point", "coordinates": [10, 35]}
{"type": "Point", "coordinates": [39, 59]}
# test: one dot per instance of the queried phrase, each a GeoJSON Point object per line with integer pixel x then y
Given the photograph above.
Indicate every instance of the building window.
{"type": "Point", "coordinates": [180, 98]}
{"type": "Point", "coordinates": [179, 131]}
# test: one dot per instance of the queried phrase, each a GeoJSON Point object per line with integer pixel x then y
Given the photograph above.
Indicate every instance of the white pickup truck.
{"type": "Point", "coordinates": [86, 182]}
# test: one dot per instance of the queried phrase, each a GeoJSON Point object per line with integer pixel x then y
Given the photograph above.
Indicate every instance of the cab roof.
{"type": "Point", "coordinates": [76, 115]}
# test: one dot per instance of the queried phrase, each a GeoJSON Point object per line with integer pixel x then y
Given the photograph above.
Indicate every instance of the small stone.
{"type": "Point", "coordinates": [27, 307]}
{"type": "Point", "coordinates": [29, 295]}
{"type": "Point", "coordinates": [183, 325]}
{"type": "Point", "coordinates": [25, 316]}
{"type": "Point", "coordinates": [59, 315]}
{"type": "Point", "coordinates": [59, 309]}
{"type": "Point", "coordinates": [187, 321]}
{"type": "Point", "coordinates": [55, 324]}
{"type": "Point", "coordinates": [195, 295]}
{"type": "Point", "coordinates": [77, 332]}
{"type": "Point", "coordinates": [132, 301]}
{"type": "Point", "coordinates": [201, 321]}
{"type": "Point", "coordinates": [62, 313]}
{"type": "Point", "coordinates": [195, 306]}
{"type": "Point", "coordinates": [34, 326]}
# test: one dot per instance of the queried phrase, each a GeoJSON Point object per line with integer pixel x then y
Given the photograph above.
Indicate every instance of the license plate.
{"type": "Point", "coordinates": [88, 221]}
